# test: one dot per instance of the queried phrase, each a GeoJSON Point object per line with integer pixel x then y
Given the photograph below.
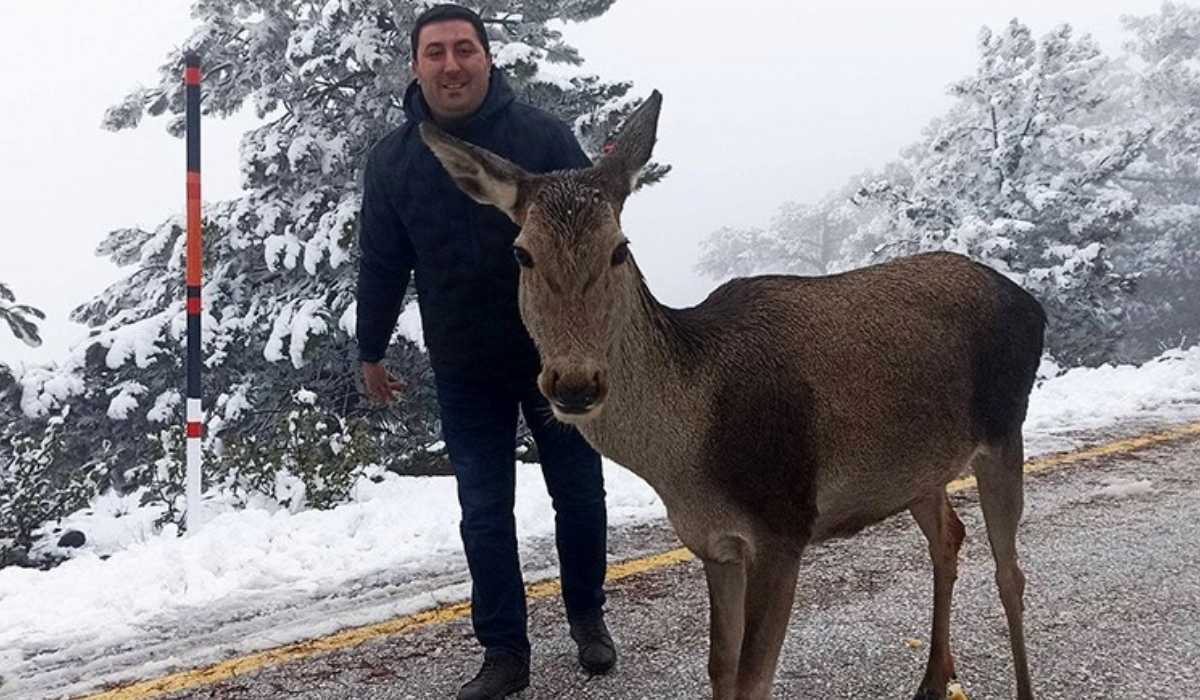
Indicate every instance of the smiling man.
{"type": "Point", "coordinates": [416, 220]}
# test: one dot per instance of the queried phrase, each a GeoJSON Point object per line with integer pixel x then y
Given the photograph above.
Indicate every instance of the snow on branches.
{"type": "Point", "coordinates": [1073, 174]}
{"type": "Point", "coordinates": [326, 80]}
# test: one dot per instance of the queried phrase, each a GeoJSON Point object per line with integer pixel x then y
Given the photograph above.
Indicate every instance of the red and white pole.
{"type": "Point", "coordinates": [195, 416]}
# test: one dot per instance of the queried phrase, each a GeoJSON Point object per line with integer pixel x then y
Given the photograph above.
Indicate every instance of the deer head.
{"type": "Point", "coordinates": [578, 280]}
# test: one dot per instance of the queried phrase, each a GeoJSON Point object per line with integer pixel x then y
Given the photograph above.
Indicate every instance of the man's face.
{"type": "Point", "coordinates": [452, 68]}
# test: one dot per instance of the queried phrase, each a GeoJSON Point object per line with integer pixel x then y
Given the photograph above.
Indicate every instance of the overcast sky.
{"type": "Point", "coordinates": [777, 100]}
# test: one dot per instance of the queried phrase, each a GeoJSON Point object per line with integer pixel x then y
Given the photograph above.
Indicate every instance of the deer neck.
{"type": "Point", "coordinates": [653, 419]}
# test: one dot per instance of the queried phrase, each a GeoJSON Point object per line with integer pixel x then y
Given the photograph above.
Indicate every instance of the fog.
{"type": "Point", "coordinates": [772, 101]}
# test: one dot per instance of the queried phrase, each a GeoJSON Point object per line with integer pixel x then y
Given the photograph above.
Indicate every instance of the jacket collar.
{"type": "Point", "coordinates": [499, 96]}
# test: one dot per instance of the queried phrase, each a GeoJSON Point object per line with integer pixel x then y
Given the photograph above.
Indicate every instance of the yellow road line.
{"type": "Point", "coordinates": [225, 670]}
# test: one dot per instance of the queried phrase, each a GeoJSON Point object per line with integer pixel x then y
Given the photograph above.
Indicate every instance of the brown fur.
{"type": "Point", "coordinates": [781, 410]}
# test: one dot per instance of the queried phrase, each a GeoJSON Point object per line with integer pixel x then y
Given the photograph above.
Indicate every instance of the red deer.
{"type": "Point", "coordinates": [781, 410]}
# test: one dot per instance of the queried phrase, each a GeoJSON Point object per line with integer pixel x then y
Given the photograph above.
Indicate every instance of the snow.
{"type": "Point", "coordinates": [1125, 488]}
{"type": "Point", "coordinates": [125, 400]}
{"type": "Point", "coordinates": [558, 74]}
{"type": "Point", "coordinates": [306, 322]}
{"type": "Point", "coordinates": [44, 389]}
{"type": "Point", "coordinates": [1164, 390]}
{"type": "Point", "coordinates": [275, 245]}
{"type": "Point", "coordinates": [409, 325]}
{"type": "Point", "coordinates": [299, 321]}
{"type": "Point", "coordinates": [129, 580]}
{"type": "Point", "coordinates": [330, 231]}
{"type": "Point", "coordinates": [164, 234]}
{"type": "Point", "coordinates": [164, 406]}
{"type": "Point", "coordinates": [367, 46]}
{"type": "Point", "coordinates": [138, 340]}
{"type": "Point", "coordinates": [236, 402]}
{"type": "Point", "coordinates": [516, 52]}
{"type": "Point", "coordinates": [348, 322]}
{"type": "Point", "coordinates": [273, 350]}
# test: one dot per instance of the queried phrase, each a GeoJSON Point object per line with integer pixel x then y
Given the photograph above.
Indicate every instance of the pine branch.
{"type": "Point", "coordinates": [348, 81]}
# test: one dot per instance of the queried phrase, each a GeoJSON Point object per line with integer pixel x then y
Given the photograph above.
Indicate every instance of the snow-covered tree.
{"type": "Point", "coordinates": [1162, 250]}
{"type": "Point", "coordinates": [801, 239]}
{"type": "Point", "coordinates": [36, 485]}
{"type": "Point", "coordinates": [1166, 92]}
{"type": "Point", "coordinates": [326, 79]}
{"type": "Point", "coordinates": [1020, 174]}
{"type": "Point", "coordinates": [1042, 168]}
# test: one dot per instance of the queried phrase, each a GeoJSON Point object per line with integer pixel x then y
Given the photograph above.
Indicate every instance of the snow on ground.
{"type": "Point", "coordinates": [129, 577]}
{"type": "Point", "coordinates": [1125, 488]}
{"type": "Point", "coordinates": [1164, 390]}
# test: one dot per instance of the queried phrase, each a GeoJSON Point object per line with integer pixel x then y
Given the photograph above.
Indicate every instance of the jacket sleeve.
{"type": "Point", "coordinates": [385, 263]}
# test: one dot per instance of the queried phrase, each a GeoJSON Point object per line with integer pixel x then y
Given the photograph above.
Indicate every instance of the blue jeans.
{"type": "Point", "coordinates": [479, 425]}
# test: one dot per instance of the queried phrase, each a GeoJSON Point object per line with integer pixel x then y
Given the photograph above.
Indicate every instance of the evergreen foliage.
{"type": "Point", "coordinates": [326, 80]}
{"type": "Point", "coordinates": [39, 484]}
{"type": "Point", "coordinates": [1074, 174]}
{"type": "Point", "coordinates": [1162, 250]}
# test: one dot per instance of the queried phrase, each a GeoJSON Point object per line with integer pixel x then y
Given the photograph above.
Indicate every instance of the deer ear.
{"type": "Point", "coordinates": [633, 146]}
{"type": "Point", "coordinates": [484, 176]}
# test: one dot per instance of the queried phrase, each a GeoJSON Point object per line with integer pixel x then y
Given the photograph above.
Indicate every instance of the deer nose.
{"type": "Point", "coordinates": [575, 393]}
{"type": "Point", "coordinates": [576, 399]}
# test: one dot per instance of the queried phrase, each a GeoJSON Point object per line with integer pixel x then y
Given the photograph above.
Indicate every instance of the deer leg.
{"type": "Point", "coordinates": [770, 591]}
{"type": "Point", "coordinates": [726, 602]}
{"type": "Point", "coordinates": [945, 533]}
{"type": "Point", "coordinates": [1000, 475]}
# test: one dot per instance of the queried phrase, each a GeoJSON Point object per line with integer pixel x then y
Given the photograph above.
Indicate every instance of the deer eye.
{"type": "Point", "coordinates": [524, 259]}
{"type": "Point", "coordinates": [621, 253]}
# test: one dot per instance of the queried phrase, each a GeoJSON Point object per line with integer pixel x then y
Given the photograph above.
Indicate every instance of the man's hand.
{"type": "Point", "coordinates": [381, 386]}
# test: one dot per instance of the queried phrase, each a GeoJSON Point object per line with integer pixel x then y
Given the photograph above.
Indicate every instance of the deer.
{"type": "Point", "coordinates": [781, 411]}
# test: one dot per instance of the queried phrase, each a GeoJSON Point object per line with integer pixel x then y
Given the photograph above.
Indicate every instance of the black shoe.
{"type": "Point", "coordinates": [502, 674]}
{"type": "Point", "coordinates": [597, 653]}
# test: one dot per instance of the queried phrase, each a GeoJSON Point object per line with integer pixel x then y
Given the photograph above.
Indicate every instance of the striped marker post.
{"type": "Point", "coordinates": [195, 416]}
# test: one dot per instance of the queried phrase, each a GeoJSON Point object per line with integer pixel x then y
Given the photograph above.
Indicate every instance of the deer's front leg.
{"type": "Point", "coordinates": [727, 619]}
{"type": "Point", "coordinates": [770, 591]}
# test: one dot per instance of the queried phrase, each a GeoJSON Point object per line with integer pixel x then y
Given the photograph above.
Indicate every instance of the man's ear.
{"type": "Point", "coordinates": [633, 146]}
{"type": "Point", "coordinates": [484, 176]}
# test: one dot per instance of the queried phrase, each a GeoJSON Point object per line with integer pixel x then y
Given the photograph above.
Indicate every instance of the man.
{"type": "Point", "coordinates": [414, 219]}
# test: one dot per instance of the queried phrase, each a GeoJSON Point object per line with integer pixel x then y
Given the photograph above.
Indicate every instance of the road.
{"type": "Point", "coordinates": [1109, 546]}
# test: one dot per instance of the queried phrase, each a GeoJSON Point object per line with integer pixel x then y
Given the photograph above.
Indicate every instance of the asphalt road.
{"type": "Point", "coordinates": [1111, 549]}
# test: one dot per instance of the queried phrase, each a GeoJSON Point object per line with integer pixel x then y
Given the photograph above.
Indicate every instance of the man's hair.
{"type": "Point", "coordinates": [445, 13]}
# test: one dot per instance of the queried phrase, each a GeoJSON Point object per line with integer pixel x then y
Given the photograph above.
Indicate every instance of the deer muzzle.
{"type": "Point", "coordinates": [576, 391]}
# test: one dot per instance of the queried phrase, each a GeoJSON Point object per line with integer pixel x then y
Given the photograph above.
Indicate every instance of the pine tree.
{"type": "Point", "coordinates": [1162, 250]}
{"type": "Point", "coordinates": [1020, 174]}
{"type": "Point", "coordinates": [326, 79]}
{"type": "Point", "coordinates": [801, 239]}
{"type": "Point", "coordinates": [1026, 172]}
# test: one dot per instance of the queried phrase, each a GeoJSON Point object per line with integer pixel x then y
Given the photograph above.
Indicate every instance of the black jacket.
{"type": "Point", "coordinates": [415, 219]}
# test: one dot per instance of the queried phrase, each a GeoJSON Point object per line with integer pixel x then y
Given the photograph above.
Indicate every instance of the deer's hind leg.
{"type": "Point", "coordinates": [945, 533]}
{"type": "Point", "coordinates": [1000, 472]}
